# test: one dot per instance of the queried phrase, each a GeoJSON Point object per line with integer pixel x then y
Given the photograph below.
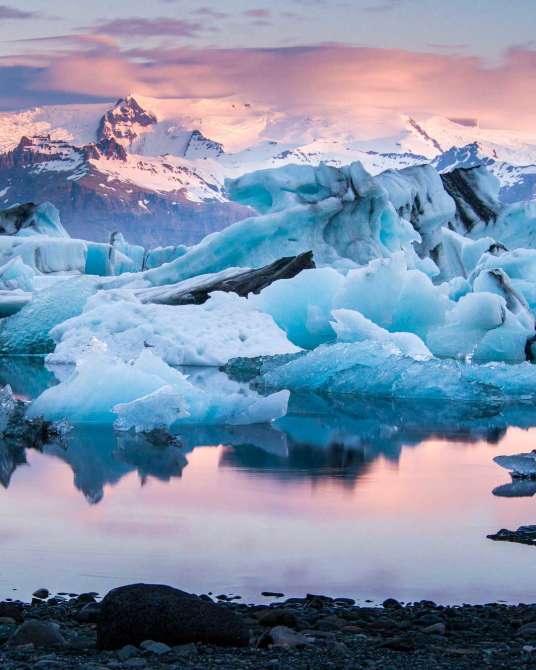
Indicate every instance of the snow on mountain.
{"type": "Point", "coordinates": [156, 168]}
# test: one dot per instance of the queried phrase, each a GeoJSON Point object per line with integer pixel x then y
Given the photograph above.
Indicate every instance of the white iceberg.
{"type": "Point", "coordinates": [147, 393]}
{"type": "Point", "coordinates": [224, 327]}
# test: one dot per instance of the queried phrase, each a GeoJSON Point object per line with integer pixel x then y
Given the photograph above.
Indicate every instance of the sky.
{"type": "Point", "coordinates": [363, 59]}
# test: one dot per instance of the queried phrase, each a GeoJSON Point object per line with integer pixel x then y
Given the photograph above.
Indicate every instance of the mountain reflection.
{"type": "Point", "coordinates": [317, 440]}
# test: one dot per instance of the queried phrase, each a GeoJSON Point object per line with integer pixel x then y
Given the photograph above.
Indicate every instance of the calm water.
{"type": "Point", "coordinates": [367, 499]}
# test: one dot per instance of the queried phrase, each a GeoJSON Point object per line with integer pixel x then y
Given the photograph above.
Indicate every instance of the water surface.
{"type": "Point", "coordinates": [363, 499]}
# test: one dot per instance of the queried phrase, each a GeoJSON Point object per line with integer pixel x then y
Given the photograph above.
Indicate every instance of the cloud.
{"type": "Point", "coordinates": [155, 27]}
{"type": "Point", "coordinates": [210, 13]}
{"type": "Point", "coordinates": [13, 13]}
{"type": "Point", "coordinates": [257, 13]}
{"type": "Point", "coordinates": [361, 88]}
{"type": "Point", "coordinates": [383, 6]}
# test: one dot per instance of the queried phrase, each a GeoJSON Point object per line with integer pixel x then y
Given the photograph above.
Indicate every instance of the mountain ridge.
{"type": "Point", "coordinates": [139, 167]}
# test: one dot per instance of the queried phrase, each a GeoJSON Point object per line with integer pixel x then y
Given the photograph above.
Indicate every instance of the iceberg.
{"type": "Point", "coordinates": [381, 369]}
{"type": "Point", "coordinates": [146, 393]}
{"type": "Point", "coordinates": [342, 214]}
{"type": "Point", "coordinates": [224, 327]}
{"type": "Point", "coordinates": [520, 465]}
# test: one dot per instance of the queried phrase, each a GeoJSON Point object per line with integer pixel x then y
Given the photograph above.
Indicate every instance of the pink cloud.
{"type": "Point", "coordinates": [149, 27]}
{"type": "Point", "coordinates": [364, 87]}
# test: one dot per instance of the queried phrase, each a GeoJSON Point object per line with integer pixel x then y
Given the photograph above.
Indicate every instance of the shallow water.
{"type": "Point", "coordinates": [356, 498]}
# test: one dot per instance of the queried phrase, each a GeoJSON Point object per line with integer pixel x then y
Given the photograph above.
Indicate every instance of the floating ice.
{"type": "Point", "coordinates": [520, 465]}
{"type": "Point", "coordinates": [224, 327]}
{"type": "Point", "coordinates": [147, 393]}
{"type": "Point", "coordinates": [381, 369]}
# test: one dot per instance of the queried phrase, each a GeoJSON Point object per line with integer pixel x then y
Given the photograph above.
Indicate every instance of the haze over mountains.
{"type": "Point", "coordinates": [155, 169]}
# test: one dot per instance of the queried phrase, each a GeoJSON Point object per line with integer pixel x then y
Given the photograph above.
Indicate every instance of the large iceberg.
{"type": "Point", "coordinates": [409, 284]}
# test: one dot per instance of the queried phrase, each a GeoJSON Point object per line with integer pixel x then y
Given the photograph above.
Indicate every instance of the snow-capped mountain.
{"type": "Point", "coordinates": [157, 174]}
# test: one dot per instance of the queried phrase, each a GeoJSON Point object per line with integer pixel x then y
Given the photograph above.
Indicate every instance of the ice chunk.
{"type": "Point", "coordinates": [395, 298]}
{"type": "Point", "coordinates": [342, 214]}
{"type": "Point", "coordinates": [301, 306]}
{"type": "Point", "coordinates": [8, 405]}
{"type": "Point", "coordinates": [45, 254]}
{"type": "Point", "coordinates": [12, 302]}
{"type": "Point", "coordinates": [224, 327]}
{"type": "Point", "coordinates": [28, 331]}
{"type": "Point", "coordinates": [15, 274]}
{"type": "Point", "coordinates": [351, 326]}
{"type": "Point", "coordinates": [147, 393]}
{"type": "Point", "coordinates": [520, 465]}
{"type": "Point", "coordinates": [418, 195]}
{"type": "Point", "coordinates": [380, 369]}
{"type": "Point", "coordinates": [160, 255]}
{"type": "Point", "coordinates": [30, 219]}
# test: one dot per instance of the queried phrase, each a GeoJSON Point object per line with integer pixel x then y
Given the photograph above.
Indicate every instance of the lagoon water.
{"type": "Point", "coordinates": [368, 499]}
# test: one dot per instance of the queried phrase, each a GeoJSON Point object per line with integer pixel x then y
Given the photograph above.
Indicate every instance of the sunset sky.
{"type": "Point", "coordinates": [369, 59]}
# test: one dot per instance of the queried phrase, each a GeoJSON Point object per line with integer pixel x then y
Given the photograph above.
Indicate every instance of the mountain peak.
{"type": "Point", "coordinates": [124, 120]}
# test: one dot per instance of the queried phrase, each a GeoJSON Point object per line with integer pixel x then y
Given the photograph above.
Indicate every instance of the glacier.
{"type": "Point", "coordinates": [408, 284]}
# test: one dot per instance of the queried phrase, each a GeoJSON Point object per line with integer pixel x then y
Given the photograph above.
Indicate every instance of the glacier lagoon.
{"type": "Point", "coordinates": [347, 496]}
{"type": "Point", "coordinates": [378, 340]}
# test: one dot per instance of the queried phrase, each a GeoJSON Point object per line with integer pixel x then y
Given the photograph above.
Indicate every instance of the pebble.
{"type": "Point", "coordinates": [41, 594]}
{"type": "Point", "coordinates": [128, 651]}
{"type": "Point", "coordinates": [153, 647]}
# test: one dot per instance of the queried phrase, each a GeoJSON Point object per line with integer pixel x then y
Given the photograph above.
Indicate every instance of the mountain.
{"type": "Point", "coordinates": [155, 169]}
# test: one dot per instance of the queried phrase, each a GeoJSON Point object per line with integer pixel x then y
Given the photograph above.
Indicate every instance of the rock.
{"type": "Point", "coordinates": [528, 630]}
{"type": "Point", "coordinates": [157, 648]}
{"type": "Point", "coordinates": [135, 663]}
{"type": "Point", "coordinates": [12, 611]}
{"type": "Point", "coordinates": [137, 612]}
{"type": "Point", "coordinates": [7, 621]}
{"type": "Point", "coordinates": [523, 535]}
{"type": "Point", "coordinates": [281, 636]}
{"type": "Point", "coordinates": [89, 613]}
{"type": "Point", "coordinates": [184, 650]}
{"type": "Point", "coordinates": [242, 283]}
{"type": "Point", "coordinates": [278, 617]}
{"type": "Point", "coordinates": [272, 594]}
{"type": "Point", "coordinates": [330, 623]}
{"type": "Point", "coordinates": [435, 629]}
{"type": "Point", "coordinates": [128, 651]}
{"type": "Point", "coordinates": [41, 594]}
{"type": "Point", "coordinates": [398, 643]}
{"type": "Point", "coordinates": [39, 633]}
{"type": "Point", "coordinates": [391, 604]}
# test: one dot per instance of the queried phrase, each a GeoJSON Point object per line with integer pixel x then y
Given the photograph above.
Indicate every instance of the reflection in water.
{"type": "Point", "coordinates": [356, 497]}
{"type": "Point", "coordinates": [99, 457]}
{"type": "Point", "coordinates": [519, 488]}
{"type": "Point", "coordinates": [27, 375]}
{"type": "Point", "coordinates": [318, 439]}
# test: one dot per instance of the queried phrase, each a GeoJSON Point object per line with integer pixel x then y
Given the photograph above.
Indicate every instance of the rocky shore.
{"type": "Point", "coordinates": [145, 626]}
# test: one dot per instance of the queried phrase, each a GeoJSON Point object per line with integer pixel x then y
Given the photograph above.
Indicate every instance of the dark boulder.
{"type": "Point", "coordinates": [137, 612]}
{"type": "Point", "coordinates": [12, 610]}
{"type": "Point", "coordinates": [242, 283]}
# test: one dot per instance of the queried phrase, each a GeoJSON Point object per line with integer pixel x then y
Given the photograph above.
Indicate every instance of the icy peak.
{"type": "Point", "coordinates": [124, 121]}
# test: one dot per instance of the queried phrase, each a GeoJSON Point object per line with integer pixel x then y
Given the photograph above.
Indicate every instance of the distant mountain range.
{"type": "Point", "coordinates": [156, 175]}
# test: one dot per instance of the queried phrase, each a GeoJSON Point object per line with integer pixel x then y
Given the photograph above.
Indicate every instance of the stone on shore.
{"type": "Point", "coordinates": [138, 612]}
{"type": "Point", "coordinates": [38, 633]}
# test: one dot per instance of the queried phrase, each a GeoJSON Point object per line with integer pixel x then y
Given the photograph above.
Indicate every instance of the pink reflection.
{"type": "Point", "coordinates": [398, 530]}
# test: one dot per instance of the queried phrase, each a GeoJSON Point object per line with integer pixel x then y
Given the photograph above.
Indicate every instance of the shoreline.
{"type": "Point", "coordinates": [65, 632]}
